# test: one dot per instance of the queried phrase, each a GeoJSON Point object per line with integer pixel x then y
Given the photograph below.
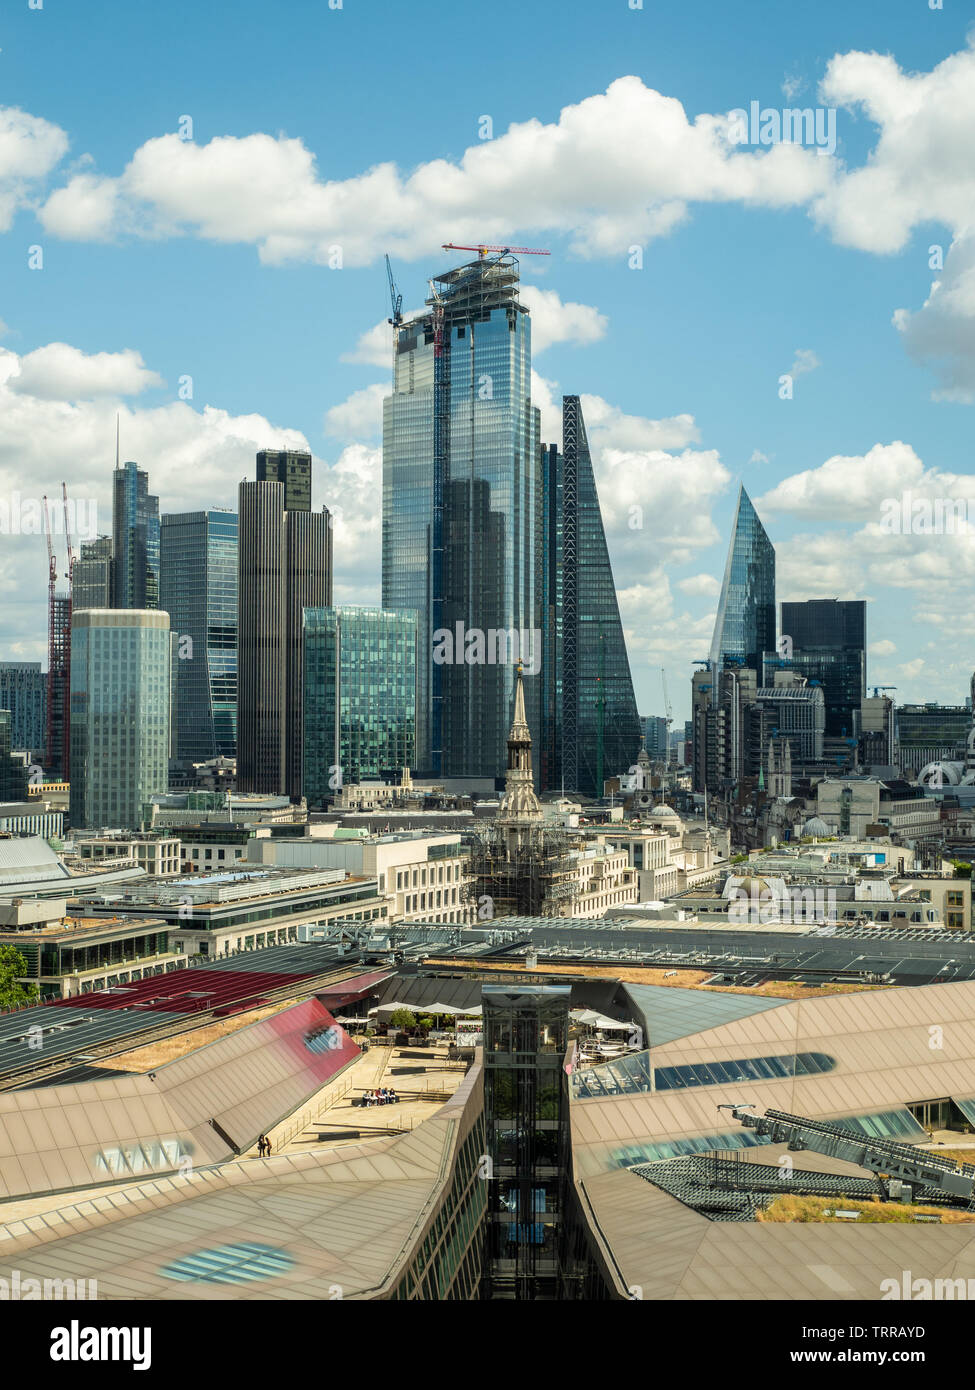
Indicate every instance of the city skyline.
{"type": "Point", "coordinates": [676, 419]}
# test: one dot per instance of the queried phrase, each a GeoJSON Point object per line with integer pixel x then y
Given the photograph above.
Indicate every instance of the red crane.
{"type": "Point", "coordinates": [483, 250]}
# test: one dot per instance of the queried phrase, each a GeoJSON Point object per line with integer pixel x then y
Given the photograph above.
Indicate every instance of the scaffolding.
{"type": "Point", "coordinates": [536, 879]}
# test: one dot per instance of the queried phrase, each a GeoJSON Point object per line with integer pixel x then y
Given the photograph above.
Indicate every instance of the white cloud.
{"type": "Point", "coordinates": [556, 322]}
{"type": "Point", "coordinates": [851, 487]}
{"type": "Point", "coordinates": [616, 168]}
{"type": "Point", "coordinates": [29, 149]}
{"type": "Point", "coordinates": [942, 331]}
{"type": "Point", "coordinates": [758, 457]}
{"type": "Point", "coordinates": [805, 361]}
{"type": "Point", "coordinates": [59, 372]}
{"type": "Point", "coordinates": [882, 648]}
{"type": "Point", "coordinates": [608, 427]}
{"type": "Point", "coordinates": [700, 584]}
{"type": "Point", "coordinates": [360, 416]}
{"type": "Point", "coordinates": [375, 346]}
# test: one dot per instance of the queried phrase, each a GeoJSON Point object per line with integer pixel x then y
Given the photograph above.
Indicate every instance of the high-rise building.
{"type": "Point", "coordinates": [13, 772]}
{"type": "Point", "coordinates": [589, 721]}
{"type": "Point", "coordinates": [284, 567]}
{"type": "Point", "coordinates": [292, 468]}
{"type": "Point", "coordinates": [91, 578]}
{"type": "Point", "coordinates": [745, 625]}
{"type": "Point", "coordinates": [462, 511]}
{"type": "Point", "coordinates": [655, 736]}
{"type": "Point", "coordinates": [135, 537]}
{"type": "Point", "coordinates": [57, 700]}
{"type": "Point", "coordinates": [120, 669]}
{"type": "Point", "coordinates": [23, 691]}
{"type": "Point", "coordinates": [825, 640]}
{"type": "Point", "coordinates": [359, 697]}
{"type": "Point", "coordinates": [198, 589]}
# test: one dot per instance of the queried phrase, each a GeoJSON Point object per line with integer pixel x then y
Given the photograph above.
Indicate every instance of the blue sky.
{"type": "Point", "coordinates": [728, 296]}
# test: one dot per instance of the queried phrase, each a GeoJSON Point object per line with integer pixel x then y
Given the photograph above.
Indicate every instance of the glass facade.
{"type": "Point", "coordinates": [91, 580]}
{"type": "Point", "coordinates": [590, 728]}
{"type": "Point", "coordinates": [526, 1116]}
{"type": "Point", "coordinates": [745, 625]}
{"type": "Point", "coordinates": [462, 511]}
{"type": "Point", "coordinates": [23, 691]}
{"type": "Point", "coordinates": [120, 674]}
{"type": "Point", "coordinates": [135, 535]}
{"type": "Point", "coordinates": [359, 697]}
{"type": "Point", "coordinates": [636, 1073]}
{"type": "Point", "coordinates": [198, 589]}
{"type": "Point", "coordinates": [829, 645]}
{"type": "Point", "coordinates": [13, 773]}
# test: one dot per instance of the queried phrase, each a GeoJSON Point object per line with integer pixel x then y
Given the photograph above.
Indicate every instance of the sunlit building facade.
{"type": "Point", "coordinates": [745, 625]}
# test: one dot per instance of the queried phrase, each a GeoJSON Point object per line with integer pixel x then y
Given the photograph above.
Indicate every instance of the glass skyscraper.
{"type": "Point", "coordinates": [198, 589]}
{"type": "Point", "coordinates": [13, 773]}
{"type": "Point", "coordinates": [828, 640]}
{"type": "Point", "coordinates": [590, 728]}
{"type": "Point", "coordinates": [120, 673]}
{"type": "Point", "coordinates": [23, 691]}
{"type": "Point", "coordinates": [135, 536]}
{"type": "Point", "coordinates": [359, 696]}
{"type": "Point", "coordinates": [462, 511]}
{"type": "Point", "coordinates": [745, 625]}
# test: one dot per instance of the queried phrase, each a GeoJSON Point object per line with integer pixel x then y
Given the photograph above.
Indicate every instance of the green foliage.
{"type": "Point", "coordinates": [962, 870]}
{"type": "Point", "coordinates": [12, 993]}
{"type": "Point", "coordinates": [402, 1018]}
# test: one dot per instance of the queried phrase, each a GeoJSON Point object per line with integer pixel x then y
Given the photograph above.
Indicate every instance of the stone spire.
{"type": "Point", "coordinates": [519, 807]}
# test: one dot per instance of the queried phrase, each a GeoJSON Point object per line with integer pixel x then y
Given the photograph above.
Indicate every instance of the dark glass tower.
{"type": "Point", "coordinates": [590, 728]}
{"type": "Point", "coordinates": [13, 773]}
{"type": "Point", "coordinates": [745, 625]}
{"type": "Point", "coordinates": [462, 511]}
{"type": "Point", "coordinates": [829, 645]}
{"type": "Point", "coordinates": [198, 589]}
{"type": "Point", "coordinates": [284, 567]}
{"type": "Point", "coordinates": [135, 536]}
{"type": "Point", "coordinates": [292, 468]}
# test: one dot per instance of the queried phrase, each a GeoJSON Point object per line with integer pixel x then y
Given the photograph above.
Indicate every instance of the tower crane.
{"type": "Point", "coordinates": [668, 711]}
{"type": "Point", "coordinates": [503, 250]}
{"type": "Point", "coordinates": [395, 298]}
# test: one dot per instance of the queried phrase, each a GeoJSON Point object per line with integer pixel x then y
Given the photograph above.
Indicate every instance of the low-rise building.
{"type": "Point", "coordinates": [246, 909]}
{"type": "Point", "coordinates": [68, 956]}
{"type": "Point", "coordinates": [154, 854]}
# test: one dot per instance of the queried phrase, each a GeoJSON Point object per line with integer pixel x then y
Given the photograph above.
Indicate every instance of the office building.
{"type": "Point", "coordinates": [292, 468]}
{"type": "Point", "coordinates": [462, 511]}
{"type": "Point", "coordinates": [91, 579]}
{"type": "Point", "coordinates": [745, 625]}
{"type": "Point", "coordinates": [57, 759]}
{"type": "Point", "coordinates": [359, 719]}
{"type": "Point", "coordinates": [284, 567]}
{"type": "Point", "coordinates": [931, 733]}
{"type": "Point", "coordinates": [590, 728]}
{"type": "Point", "coordinates": [825, 640]}
{"type": "Point", "coordinates": [23, 691]}
{"type": "Point", "coordinates": [655, 736]}
{"type": "Point", "coordinates": [13, 773]}
{"type": "Point", "coordinates": [120, 714]}
{"type": "Point", "coordinates": [135, 537]}
{"type": "Point", "coordinates": [198, 589]}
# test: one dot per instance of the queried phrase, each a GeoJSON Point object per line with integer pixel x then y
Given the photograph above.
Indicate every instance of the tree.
{"type": "Point", "coordinates": [962, 870]}
{"type": "Point", "coordinates": [12, 992]}
{"type": "Point", "coordinates": [402, 1018]}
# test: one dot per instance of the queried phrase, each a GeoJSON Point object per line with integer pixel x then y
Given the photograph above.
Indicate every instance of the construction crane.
{"type": "Point", "coordinates": [67, 536]}
{"type": "Point", "coordinates": [668, 711]}
{"type": "Point", "coordinates": [877, 689]}
{"type": "Point", "coordinates": [395, 298]}
{"type": "Point", "coordinates": [502, 250]}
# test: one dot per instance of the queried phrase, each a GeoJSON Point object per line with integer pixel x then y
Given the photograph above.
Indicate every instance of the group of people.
{"type": "Point", "coordinates": [380, 1097]}
{"type": "Point", "coordinates": [263, 1146]}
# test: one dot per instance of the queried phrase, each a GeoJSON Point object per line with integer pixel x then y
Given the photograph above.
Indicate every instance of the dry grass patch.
{"type": "Point", "coordinates": [874, 1211]}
